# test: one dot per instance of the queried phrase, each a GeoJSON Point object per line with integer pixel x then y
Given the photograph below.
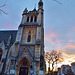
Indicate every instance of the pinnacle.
{"type": "Point", "coordinates": [40, 0]}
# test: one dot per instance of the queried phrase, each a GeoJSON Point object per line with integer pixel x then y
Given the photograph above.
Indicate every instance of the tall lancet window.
{"type": "Point", "coordinates": [31, 19]}
{"type": "Point", "coordinates": [35, 20]}
{"type": "Point", "coordinates": [0, 53]}
{"type": "Point", "coordinates": [29, 37]}
{"type": "Point", "coordinates": [27, 19]}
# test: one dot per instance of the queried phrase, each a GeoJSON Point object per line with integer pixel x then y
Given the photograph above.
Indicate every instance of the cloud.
{"type": "Point", "coordinates": [68, 49]}
{"type": "Point", "coordinates": [68, 54]}
{"type": "Point", "coordinates": [52, 38]}
{"type": "Point", "coordinates": [68, 58]}
{"type": "Point", "coordinates": [8, 25]}
{"type": "Point", "coordinates": [70, 40]}
{"type": "Point", "coordinates": [58, 41]}
{"type": "Point", "coordinates": [52, 35]}
{"type": "Point", "coordinates": [70, 46]}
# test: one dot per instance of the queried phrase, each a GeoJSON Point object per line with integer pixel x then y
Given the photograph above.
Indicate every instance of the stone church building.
{"type": "Point", "coordinates": [22, 50]}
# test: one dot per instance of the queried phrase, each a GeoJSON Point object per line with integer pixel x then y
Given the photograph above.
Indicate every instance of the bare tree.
{"type": "Point", "coordinates": [53, 57]}
{"type": "Point", "coordinates": [2, 4]}
{"type": "Point", "coordinates": [48, 58]}
{"type": "Point", "coordinates": [58, 2]}
{"type": "Point", "coordinates": [56, 57]}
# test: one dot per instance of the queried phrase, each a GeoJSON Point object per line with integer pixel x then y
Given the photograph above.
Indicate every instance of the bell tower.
{"type": "Point", "coordinates": [29, 41]}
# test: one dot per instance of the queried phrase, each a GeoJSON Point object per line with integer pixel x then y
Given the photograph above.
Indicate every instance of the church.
{"type": "Point", "coordinates": [22, 50]}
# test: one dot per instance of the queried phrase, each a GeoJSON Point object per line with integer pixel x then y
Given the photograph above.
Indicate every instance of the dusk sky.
{"type": "Point", "coordinates": [59, 23]}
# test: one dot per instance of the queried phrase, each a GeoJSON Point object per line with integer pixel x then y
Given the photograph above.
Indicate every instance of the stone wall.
{"type": "Point", "coordinates": [25, 35]}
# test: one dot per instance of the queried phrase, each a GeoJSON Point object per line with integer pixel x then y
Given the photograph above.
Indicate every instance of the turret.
{"type": "Point", "coordinates": [40, 5]}
{"type": "Point", "coordinates": [40, 10]}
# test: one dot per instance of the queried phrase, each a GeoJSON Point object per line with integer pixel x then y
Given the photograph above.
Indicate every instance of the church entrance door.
{"type": "Point", "coordinates": [23, 71]}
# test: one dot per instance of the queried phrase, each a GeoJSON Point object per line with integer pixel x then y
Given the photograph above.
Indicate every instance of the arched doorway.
{"type": "Point", "coordinates": [23, 67]}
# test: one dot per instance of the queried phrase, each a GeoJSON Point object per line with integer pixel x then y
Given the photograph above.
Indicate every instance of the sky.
{"type": "Point", "coordinates": [59, 23]}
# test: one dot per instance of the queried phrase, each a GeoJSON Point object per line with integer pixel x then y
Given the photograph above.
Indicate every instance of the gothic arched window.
{"type": "Point", "coordinates": [27, 19]}
{"type": "Point", "coordinates": [0, 53]}
{"type": "Point", "coordinates": [29, 37]}
{"type": "Point", "coordinates": [35, 19]}
{"type": "Point", "coordinates": [31, 19]}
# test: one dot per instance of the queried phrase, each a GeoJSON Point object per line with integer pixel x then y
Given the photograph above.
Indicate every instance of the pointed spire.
{"type": "Point", "coordinates": [25, 11]}
{"type": "Point", "coordinates": [40, 0]}
{"type": "Point", "coordinates": [40, 4]}
{"type": "Point", "coordinates": [9, 40]}
{"type": "Point", "coordinates": [35, 6]}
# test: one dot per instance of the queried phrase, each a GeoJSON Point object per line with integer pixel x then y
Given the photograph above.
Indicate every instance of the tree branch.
{"type": "Point", "coordinates": [58, 2]}
{"type": "Point", "coordinates": [3, 11]}
{"type": "Point", "coordinates": [3, 6]}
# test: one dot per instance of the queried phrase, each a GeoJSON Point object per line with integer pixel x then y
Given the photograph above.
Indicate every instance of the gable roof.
{"type": "Point", "coordinates": [4, 35]}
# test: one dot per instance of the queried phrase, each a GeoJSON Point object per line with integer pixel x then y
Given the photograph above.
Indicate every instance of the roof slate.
{"type": "Point", "coordinates": [4, 35]}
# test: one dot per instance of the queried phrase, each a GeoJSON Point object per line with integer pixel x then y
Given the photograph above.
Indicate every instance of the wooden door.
{"type": "Point", "coordinates": [23, 71]}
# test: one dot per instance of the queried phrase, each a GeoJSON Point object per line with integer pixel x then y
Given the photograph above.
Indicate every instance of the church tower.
{"type": "Point", "coordinates": [28, 51]}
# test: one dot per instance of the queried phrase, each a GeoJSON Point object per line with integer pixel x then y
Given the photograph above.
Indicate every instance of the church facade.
{"type": "Point", "coordinates": [22, 50]}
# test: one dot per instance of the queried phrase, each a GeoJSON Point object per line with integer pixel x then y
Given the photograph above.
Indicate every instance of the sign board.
{"type": "Point", "coordinates": [41, 72]}
{"type": "Point", "coordinates": [31, 72]}
{"type": "Point", "coordinates": [12, 71]}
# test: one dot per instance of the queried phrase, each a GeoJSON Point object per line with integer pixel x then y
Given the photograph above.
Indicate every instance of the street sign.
{"type": "Point", "coordinates": [31, 72]}
{"type": "Point", "coordinates": [41, 72]}
{"type": "Point", "coordinates": [12, 71]}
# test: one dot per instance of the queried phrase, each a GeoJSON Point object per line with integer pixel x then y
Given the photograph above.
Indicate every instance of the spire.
{"type": "Point", "coordinates": [9, 40]}
{"type": "Point", "coordinates": [25, 11]}
{"type": "Point", "coordinates": [35, 6]}
{"type": "Point", "coordinates": [40, 0]}
{"type": "Point", "coordinates": [40, 4]}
